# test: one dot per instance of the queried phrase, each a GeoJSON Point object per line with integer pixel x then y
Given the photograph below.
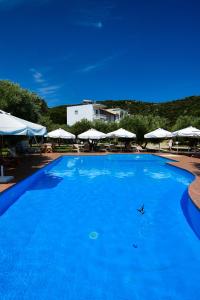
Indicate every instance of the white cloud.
{"type": "Point", "coordinates": [49, 90]}
{"type": "Point", "coordinates": [94, 13]}
{"type": "Point", "coordinates": [93, 24]}
{"type": "Point", "coordinates": [38, 77]}
{"type": "Point", "coordinates": [97, 65]}
{"type": "Point", "coordinates": [99, 25]}
{"type": "Point", "coordinates": [44, 87]}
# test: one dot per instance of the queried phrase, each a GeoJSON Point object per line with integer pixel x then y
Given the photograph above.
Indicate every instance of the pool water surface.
{"type": "Point", "coordinates": [75, 231]}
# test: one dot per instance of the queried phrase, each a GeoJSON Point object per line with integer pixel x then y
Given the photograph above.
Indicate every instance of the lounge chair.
{"type": "Point", "coordinates": [85, 148]}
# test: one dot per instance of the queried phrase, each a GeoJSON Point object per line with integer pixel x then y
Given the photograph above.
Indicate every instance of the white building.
{"type": "Point", "coordinates": [93, 111]}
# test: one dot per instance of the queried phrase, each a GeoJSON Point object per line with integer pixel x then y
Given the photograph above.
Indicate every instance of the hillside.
{"type": "Point", "coordinates": [58, 114]}
{"type": "Point", "coordinates": [171, 110]}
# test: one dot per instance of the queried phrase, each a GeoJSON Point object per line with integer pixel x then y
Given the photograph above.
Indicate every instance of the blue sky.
{"type": "Point", "coordinates": [71, 50]}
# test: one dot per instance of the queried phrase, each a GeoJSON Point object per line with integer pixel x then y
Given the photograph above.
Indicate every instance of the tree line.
{"type": "Point", "coordinates": [143, 117]}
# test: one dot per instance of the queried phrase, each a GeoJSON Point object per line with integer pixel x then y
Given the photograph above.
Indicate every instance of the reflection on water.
{"type": "Point", "coordinates": [93, 173]}
{"type": "Point", "coordinates": [64, 173]}
{"type": "Point", "coordinates": [157, 175]}
{"type": "Point", "coordinates": [77, 166]}
{"type": "Point", "coordinates": [124, 174]}
{"type": "Point", "coordinates": [71, 163]}
{"type": "Point", "coordinates": [90, 173]}
{"type": "Point", "coordinates": [183, 180]}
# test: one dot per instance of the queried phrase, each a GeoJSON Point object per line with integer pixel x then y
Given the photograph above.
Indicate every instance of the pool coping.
{"type": "Point", "coordinates": [188, 164]}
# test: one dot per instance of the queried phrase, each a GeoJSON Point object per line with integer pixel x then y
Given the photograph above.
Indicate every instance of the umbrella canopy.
{"type": "Point", "coordinates": [11, 125]}
{"type": "Point", "coordinates": [158, 134]}
{"type": "Point", "coordinates": [92, 134]}
{"type": "Point", "coordinates": [121, 133]}
{"type": "Point", "coordinates": [187, 132]}
{"type": "Point", "coordinates": [60, 134]}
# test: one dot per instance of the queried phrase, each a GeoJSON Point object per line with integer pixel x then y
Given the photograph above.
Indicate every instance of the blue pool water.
{"type": "Point", "coordinates": [72, 231]}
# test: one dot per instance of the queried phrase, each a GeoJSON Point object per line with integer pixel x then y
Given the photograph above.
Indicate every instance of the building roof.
{"type": "Point", "coordinates": [95, 105]}
{"type": "Point", "coordinates": [114, 111]}
{"type": "Point", "coordinates": [108, 112]}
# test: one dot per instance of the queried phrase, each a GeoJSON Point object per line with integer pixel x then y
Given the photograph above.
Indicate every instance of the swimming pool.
{"type": "Point", "coordinates": [72, 231]}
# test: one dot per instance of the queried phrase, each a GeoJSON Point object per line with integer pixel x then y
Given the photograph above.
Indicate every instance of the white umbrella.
{"type": "Point", "coordinates": [187, 132]}
{"type": "Point", "coordinates": [121, 133]}
{"type": "Point", "coordinates": [158, 134]}
{"type": "Point", "coordinates": [60, 134]}
{"type": "Point", "coordinates": [92, 134]}
{"type": "Point", "coordinates": [11, 125]}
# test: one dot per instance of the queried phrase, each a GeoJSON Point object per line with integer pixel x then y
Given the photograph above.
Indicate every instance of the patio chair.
{"type": "Point", "coordinates": [140, 149]}
{"type": "Point", "coordinates": [11, 159]}
{"type": "Point", "coordinates": [86, 148]}
{"type": "Point", "coordinates": [113, 148]}
{"type": "Point", "coordinates": [101, 147]}
{"type": "Point", "coordinates": [49, 148]}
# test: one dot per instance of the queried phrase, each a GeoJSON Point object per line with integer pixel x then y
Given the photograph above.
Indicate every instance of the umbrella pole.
{"type": "Point", "coordinates": [35, 140]}
{"type": "Point", "coordinates": [2, 145]}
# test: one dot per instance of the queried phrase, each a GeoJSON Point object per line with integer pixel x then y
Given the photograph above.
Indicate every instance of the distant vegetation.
{"type": "Point", "coordinates": [144, 116]}
{"type": "Point", "coordinates": [172, 110]}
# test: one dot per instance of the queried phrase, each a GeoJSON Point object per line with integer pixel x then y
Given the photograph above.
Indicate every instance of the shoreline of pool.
{"type": "Point", "coordinates": [192, 165]}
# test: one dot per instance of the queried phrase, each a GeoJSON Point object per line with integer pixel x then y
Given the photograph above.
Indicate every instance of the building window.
{"type": "Point", "coordinates": [76, 112]}
{"type": "Point", "coordinates": [96, 111]}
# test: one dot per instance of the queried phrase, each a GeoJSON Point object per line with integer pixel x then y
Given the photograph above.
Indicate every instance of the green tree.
{"type": "Point", "coordinates": [185, 121]}
{"type": "Point", "coordinates": [21, 102]}
{"type": "Point", "coordinates": [104, 126]}
{"type": "Point", "coordinates": [140, 125]}
{"type": "Point", "coordinates": [80, 126]}
{"type": "Point", "coordinates": [58, 114]}
{"type": "Point", "coordinates": [47, 122]}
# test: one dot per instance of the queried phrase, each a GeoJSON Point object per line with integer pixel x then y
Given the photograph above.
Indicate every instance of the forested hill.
{"type": "Point", "coordinates": [171, 110]}
{"type": "Point", "coordinates": [171, 115]}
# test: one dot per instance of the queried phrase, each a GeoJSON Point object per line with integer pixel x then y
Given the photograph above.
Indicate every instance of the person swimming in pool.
{"type": "Point", "coordinates": [141, 209]}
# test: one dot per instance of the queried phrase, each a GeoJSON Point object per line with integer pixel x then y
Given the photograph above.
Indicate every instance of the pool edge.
{"type": "Point", "coordinates": [194, 187]}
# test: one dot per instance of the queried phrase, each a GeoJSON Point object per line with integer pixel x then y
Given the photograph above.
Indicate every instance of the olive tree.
{"type": "Point", "coordinates": [185, 121]}
{"type": "Point", "coordinates": [80, 126]}
{"type": "Point", "coordinates": [21, 102]}
{"type": "Point", "coordinates": [140, 125]}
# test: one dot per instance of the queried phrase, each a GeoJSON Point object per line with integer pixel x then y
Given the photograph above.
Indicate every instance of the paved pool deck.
{"type": "Point", "coordinates": [30, 164]}
{"type": "Point", "coordinates": [192, 165]}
